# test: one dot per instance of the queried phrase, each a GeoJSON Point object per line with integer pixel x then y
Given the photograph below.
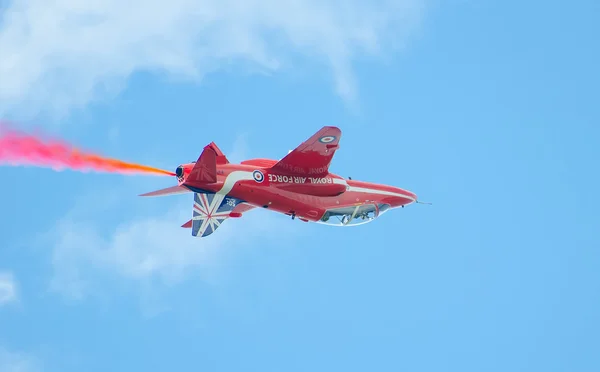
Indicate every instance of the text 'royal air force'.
{"type": "Point", "coordinates": [278, 178]}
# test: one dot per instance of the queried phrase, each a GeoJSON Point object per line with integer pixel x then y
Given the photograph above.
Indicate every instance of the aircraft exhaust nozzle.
{"type": "Point", "coordinates": [179, 172]}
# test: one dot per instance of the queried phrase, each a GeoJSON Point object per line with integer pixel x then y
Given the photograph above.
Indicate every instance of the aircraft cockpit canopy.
{"type": "Point", "coordinates": [353, 215]}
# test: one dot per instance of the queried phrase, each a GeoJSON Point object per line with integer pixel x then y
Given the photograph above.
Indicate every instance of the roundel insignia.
{"type": "Point", "coordinates": [258, 176]}
{"type": "Point", "coordinates": [327, 139]}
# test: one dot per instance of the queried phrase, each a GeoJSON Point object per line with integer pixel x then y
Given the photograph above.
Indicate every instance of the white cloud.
{"type": "Point", "coordinates": [56, 55]}
{"type": "Point", "coordinates": [8, 288]}
{"type": "Point", "coordinates": [150, 250]}
{"type": "Point", "coordinates": [11, 361]}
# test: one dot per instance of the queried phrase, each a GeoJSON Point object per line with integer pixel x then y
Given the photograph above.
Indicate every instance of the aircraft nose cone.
{"type": "Point", "coordinates": [412, 195]}
{"type": "Point", "coordinates": [408, 196]}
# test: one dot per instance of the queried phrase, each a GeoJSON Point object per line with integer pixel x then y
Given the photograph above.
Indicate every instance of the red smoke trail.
{"type": "Point", "coordinates": [23, 149]}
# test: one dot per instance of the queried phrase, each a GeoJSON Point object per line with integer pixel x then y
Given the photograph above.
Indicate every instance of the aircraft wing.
{"type": "Point", "coordinates": [313, 156]}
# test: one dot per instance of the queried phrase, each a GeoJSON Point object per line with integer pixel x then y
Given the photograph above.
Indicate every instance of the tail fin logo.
{"type": "Point", "coordinates": [258, 176]}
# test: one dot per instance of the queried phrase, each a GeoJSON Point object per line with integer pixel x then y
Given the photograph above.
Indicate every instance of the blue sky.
{"type": "Point", "coordinates": [487, 109]}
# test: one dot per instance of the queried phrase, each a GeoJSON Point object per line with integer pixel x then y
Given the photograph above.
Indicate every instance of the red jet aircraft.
{"type": "Point", "coordinates": [299, 185]}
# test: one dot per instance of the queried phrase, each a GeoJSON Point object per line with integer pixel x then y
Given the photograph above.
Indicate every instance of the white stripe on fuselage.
{"type": "Point", "coordinates": [231, 180]}
{"type": "Point", "coordinates": [379, 192]}
{"type": "Point", "coordinates": [366, 190]}
{"type": "Point", "coordinates": [237, 176]}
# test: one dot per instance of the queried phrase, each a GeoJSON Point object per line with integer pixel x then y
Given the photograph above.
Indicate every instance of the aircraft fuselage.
{"type": "Point", "coordinates": [299, 185]}
{"type": "Point", "coordinates": [305, 197]}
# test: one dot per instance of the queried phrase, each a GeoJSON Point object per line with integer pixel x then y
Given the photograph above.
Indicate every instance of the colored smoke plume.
{"type": "Point", "coordinates": [19, 149]}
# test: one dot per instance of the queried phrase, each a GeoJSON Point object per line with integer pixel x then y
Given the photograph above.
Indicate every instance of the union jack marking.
{"type": "Point", "coordinates": [210, 210]}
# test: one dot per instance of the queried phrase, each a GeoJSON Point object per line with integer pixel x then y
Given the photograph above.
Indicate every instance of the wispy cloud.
{"type": "Point", "coordinates": [8, 288]}
{"type": "Point", "coordinates": [150, 251]}
{"type": "Point", "coordinates": [12, 361]}
{"type": "Point", "coordinates": [56, 55]}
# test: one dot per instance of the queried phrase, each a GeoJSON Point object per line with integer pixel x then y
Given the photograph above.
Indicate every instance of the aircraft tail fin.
{"type": "Point", "coordinates": [205, 169]}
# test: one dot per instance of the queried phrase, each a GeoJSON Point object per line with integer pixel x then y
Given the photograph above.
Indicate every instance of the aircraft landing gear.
{"type": "Point", "coordinates": [293, 216]}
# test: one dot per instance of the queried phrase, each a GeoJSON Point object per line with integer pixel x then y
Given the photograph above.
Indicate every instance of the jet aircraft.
{"type": "Point", "coordinates": [298, 185]}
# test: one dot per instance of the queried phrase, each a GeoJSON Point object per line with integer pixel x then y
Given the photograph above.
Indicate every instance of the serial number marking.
{"type": "Point", "coordinates": [319, 170]}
